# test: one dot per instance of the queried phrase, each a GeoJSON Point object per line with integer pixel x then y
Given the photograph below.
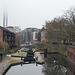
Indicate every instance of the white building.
{"type": "Point", "coordinates": [10, 28]}
{"type": "Point", "coordinates": [16, 29]}
{"type": "Point", "coordinates": [34, 36]}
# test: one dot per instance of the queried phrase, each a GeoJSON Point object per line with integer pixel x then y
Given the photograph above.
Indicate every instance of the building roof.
{"type": "Point", "coordinates": [10, 27]}
{"type": "Point", "coordinates": [5, 29]}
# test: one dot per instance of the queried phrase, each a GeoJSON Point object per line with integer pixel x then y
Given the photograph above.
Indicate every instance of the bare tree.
{"type": "Point", "coordinates": [56, 29]}
{"type": "Point", "coordinates": [70, 28]}
{"type": "Point", "coordinates": [62, 28]}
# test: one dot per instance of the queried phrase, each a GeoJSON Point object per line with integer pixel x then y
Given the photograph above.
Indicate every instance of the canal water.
{"type": "Point", "coordinates": [54, 65]}
{"type": "Point", "coordinates": [25, 69]}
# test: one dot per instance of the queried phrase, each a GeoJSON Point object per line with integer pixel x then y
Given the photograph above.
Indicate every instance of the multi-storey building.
{"type": "Point", "coordinates": [15, 29]}
{"type": "Point", "coordinates": [28, 33]}
{"type": "Point", "coordinates": [10, 28]}
{"type": "Point", "coordinates": [23, 36]}
{"type": "Point", "coordinates": [18, 39]}
{"type": "Point", "coordinates": [7, 36]}
{"type": "Point", "coordinates": [71, 60]}
{"type": "Point", "coordinates": [34, 36]}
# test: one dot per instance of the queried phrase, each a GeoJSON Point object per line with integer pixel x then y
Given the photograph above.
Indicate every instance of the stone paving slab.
{"type": "Point", "coordinates": [4, 64]}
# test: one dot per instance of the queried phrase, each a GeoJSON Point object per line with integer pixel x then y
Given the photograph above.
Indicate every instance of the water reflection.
{"type": "Point", "coordinates": [70, 68]}
{"type": "Point", "coordinates": [53, 67]}
{"type": "Point", "coordinates": [58, 65]}
{"type": "Point", "coordinates": [25, 69]}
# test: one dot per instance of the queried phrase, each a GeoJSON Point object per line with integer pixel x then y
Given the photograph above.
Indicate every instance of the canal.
{"type": "Point", "coordinates": [54, 65]}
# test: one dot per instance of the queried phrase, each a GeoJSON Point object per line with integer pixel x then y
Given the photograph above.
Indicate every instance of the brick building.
{"type": "Point", "coordinates": [71, 60]}
{"type": "Point", "coordinates": [7, 36]}
{"type": "Point", "coordinates": [10, 28]}
{"type": "Point", "coordinates": [18, 39]}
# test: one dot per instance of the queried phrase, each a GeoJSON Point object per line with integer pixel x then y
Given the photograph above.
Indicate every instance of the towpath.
{"type": "Point", "coordinates": [40, 56]}
{"type": "Point", "coordinates": [3, 64]}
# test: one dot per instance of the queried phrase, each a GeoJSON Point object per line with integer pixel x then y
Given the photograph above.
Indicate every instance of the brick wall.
{"type": "Point", "coordinates": [70, 68]}
{"type": "Point", "coordinates": [71, 54]}
{"type": "Point", "coordinates": [1, 35]}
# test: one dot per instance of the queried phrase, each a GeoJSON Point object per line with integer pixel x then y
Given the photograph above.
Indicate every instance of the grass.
{"type": "Point", "coordinates": [15, 61]}
{"type": "Point", "coordinates": [61, 48]}
{"type": "Point", "coordinates": [40, 61]}
{"type": "Point", "coordinates": [20, 54]}
{"type": "Point", "coordinates": [13, 50]}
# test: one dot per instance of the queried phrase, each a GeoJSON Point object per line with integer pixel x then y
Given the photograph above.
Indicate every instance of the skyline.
{"type": "Point", "coordinates": [33, 13]}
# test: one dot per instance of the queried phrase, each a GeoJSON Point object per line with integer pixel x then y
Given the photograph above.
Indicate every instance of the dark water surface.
{"type": "Point", "coordinates": [54, 65]}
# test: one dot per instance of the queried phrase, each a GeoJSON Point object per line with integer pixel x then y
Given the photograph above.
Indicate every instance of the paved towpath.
{"type": "Point", "coordinates": [4, 59]}
{"type": "Point", "coordinates": [3, 63]}
{"type": "Point", "coordinates": [40, 56]}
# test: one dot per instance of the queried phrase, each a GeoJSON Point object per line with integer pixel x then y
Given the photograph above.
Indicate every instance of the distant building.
{"type": "Point", "coordinates": [10, 28]}
{"type": "Point", "coordinates": [15, 29]}
{"type": "Point", "coordinates": [18, 39]}
{"type": "Point", "coordinates": [39, 35]}
{"type": "Point", "coordinates": [23, 36]}
{"type": "Point", "coordinates": [30, 35]}
{"type": "Point", "coordinates": [17, 36]}
{"type": "Point", "coordinates": [34, 37]}
{"type": "Point", "coordinates": [7, 36]}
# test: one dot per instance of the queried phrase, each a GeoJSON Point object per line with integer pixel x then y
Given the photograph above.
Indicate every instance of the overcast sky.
{"type": "Point", "coordinates": [33, 13]}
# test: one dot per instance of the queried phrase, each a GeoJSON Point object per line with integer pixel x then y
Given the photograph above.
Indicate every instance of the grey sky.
{"type": "Point", "coordinates": [33, 13]}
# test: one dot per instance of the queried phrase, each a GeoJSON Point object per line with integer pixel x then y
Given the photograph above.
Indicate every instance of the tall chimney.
{"type": "Point", "coordinates": [4, 19]}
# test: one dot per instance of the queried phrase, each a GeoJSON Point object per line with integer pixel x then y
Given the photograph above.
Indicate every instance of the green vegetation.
{"type": "Point", "coordinates": [17, 42]}
{"type": "Point", "coordinates": [62, 29]}
{"type": "Point", "coordinates": [37, 47]}
{"type": "Point", "coordinates": [19, 54]}
{"type": "Point", "coordinates": [61, 48]}
{"type": "Point", "coordinates": [60, 32]}
{"type": "Point", "coordinates": [52, 47]}
{"type": "Point", "coordinates": [15, 61]}
{"type": "Point", "coordinates": [13, 50]}
{"type": "Point", "coordinates": [4, 47]}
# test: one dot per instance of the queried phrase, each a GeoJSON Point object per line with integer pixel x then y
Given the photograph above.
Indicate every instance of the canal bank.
{"type": "Point", "coordinates": [7, 63]}
{"type": "Point", "coordinates": [51, 66]}
{"type": "Point", "coordinates": [39, 58]}
{"type": "Point", "coordinates": [4, 64]}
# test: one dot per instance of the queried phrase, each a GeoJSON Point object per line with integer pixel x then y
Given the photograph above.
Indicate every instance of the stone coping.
{"type": "Point", "coordinates": [71, 46]}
